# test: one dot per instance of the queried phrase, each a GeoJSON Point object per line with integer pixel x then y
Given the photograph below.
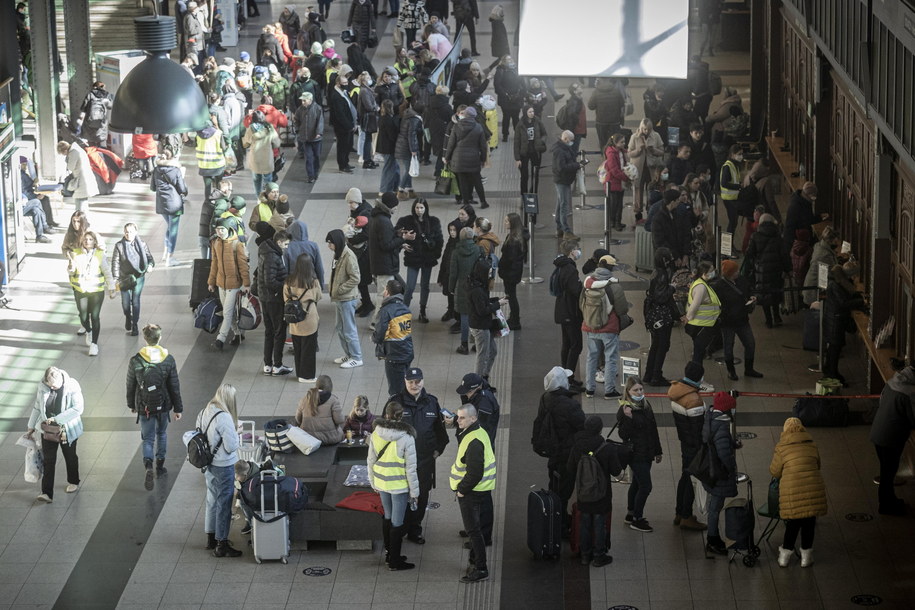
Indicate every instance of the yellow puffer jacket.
{"type": "Point", "coordinates": [796, 462]}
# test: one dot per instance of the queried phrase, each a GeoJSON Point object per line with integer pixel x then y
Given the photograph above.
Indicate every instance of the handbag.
{"type": "Point", "coordinates": [443, 183]}
{"type": "Point", "coordinates": [706, 466]}
{"type": "Point", "coordinates": [370, 122]}
{"type": "Point", "coordinates": [279, 162]}
{"type": "Point", "coordinates": [414, 166]}
{"type": "Point", "coordinates": [500, 325]}
{"type": "Point", "coordinates": [51, 431]}
{"type": "Point", "coordinates": [623, 449]}
{"type": "Point", "coordinates": [625, 321]}
{"type": "Point", "coordinates": [398, 37]}
{"type": "Point", "coordinates": [68, 186]}
{"type": "Point", "coordinates": [128, 282]}
{"type": "Point", "coordinates": [773, 497]}
{"type": "Point", "coordinates": [347, 36]}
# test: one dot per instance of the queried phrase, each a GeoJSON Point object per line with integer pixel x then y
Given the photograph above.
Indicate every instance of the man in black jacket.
{"type": "Point", "coordinates": [735, 294]}
{"type": "Point", "coordinates": [664, 230]}
{"type": "Point", "coordinates": [422, 411]}
{"type": "Point", "coordinates": [343, 120]}
{"type": "Point", "coordinates": [152, 391]}
{"type": "Point", "coordinates": [271, 273]}
{"type": "Point", "coordinates": [473, 477]}
{"type": "Point", "coordinates": [359, 244]}
{"type": "Point", "coordinates": [565, 168]}
{"type": "Point", "coordinates": [565, 311]}
{"type": "Point", "coordinates": [385, 244]}
{"type": "Point", "coordinates": [800, 214]}
{"type": "Point", "coordinates": [893, 423]}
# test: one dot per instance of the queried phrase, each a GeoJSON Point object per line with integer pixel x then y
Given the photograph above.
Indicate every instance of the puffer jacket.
{"type": "Point", "coordinates": [530, 138]}
{"type": "Point", "coordinates": [360, 427]}
{"type": "Point", "coordinates": [600, 279]}
{"type": "Point", "coordinates": [509, 87]}
{"type": "Point", "coordinates": [384, 243]}
{"type": "Point", "coordinates": [608, 103]}
{"type": "Point", "coordinates": [159, 357]}
{"type": "Point", "coordinates": [229, 267]}
{"type": "Point", "coordinates": [300, 244]}
{"type": "Point", "coordinates": [388, 132]}
{"type": "Point", "coordinates": [168, 184]}
{"type": "Point", "coordinates": [769, 261]}
{"type": "Point", "coordinates": [688, 411]}
{"type": "Point", "coordinates": [327, 425]}
{"type": "Point", "coordinates": [436, 117]}
{"type": "Point", "coordinates": [796, 463]}
{"type": "Point", "coordinates": [393, 334]}
{"type": "Point", "coordinates": [427, 247]}
{"type": "Point", "coordinates": [260, 140]}
{"type": "Point", "coordinates": [467, 147]}
{"type": "Point", "coordinates": [207, 209]}
{"type": "Point", "coordinates": [488, 242]}
{"type": "Point", "coordinates": [511, 261]}
{"type": "Point", "coordinates": [568, 418]}
{"type": "Point", "coordinates": [271, 272]}
{"type": "Point", "coordinates": [565, 167]}
{"type": "Point", "coordinates": [409, 137]}
{"type": "Point", "coordinates": [895, 418]}
{"type": "Point", "coordinates": [822, 253]}
{"type": "Point", "coordinates": [71, 409]}
{"type": "Point", "coordinates": [641, 429]}
{"type": "Point", "coordinates": [482, 306]}
{"type": "Point", "coordinates": [402, 439]}
{"type": "Point", "coordinates": [309, 325]}
{"type": "Point", "coordinates": [565, 310]}
{"type": "Point", "coordinates": [717, 430]}
{"type": "Point", "coordinates": [465, 255]}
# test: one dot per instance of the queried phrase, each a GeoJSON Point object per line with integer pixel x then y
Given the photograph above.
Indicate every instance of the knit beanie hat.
{"type": "Point", "coordinates": [594, 424]}
{"type": "Point", "coordinates": [264, 229]}
{"type": "Point", "coordinates": [354, 194]}
{"type": "Point", "coordinates": [271, 186]}
{"type": "Point", "coordinates": [724, 402]}
{"type": "Point", "coordinates": [390, 200]}
{"type": "Point", "coordinates": [694, 371]}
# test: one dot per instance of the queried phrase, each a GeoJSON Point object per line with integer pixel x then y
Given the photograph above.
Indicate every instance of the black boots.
{"type": "Point", "coordinates": [748, 369]}
{"type": "Point", "coordinates": [396, 561]}
{"type": "Point", "coordinates": [160, 467]}
{"type": "Point", "coordinates": [463, 349]}
{"type": "Point", "coordinates": [448, 315]}
{"type": "Point", "coordinates": [211, 541]}
{"type": "Point", "coordinates": [225, 549]}
{"type": "Point", "coordinates": [386, 535]}
{"type": "Point", "coordinates": [732, 372]}
{"type": "Point", "coordinates": [422, 316]}
{"type": "Point", "coordinates": [150, 480]}
{"type": "Point", "coordinates": [715, 545]}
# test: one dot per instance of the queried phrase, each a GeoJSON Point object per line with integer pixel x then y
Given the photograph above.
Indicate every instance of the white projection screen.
{"type": "Point", "coordinates": [638, 38]}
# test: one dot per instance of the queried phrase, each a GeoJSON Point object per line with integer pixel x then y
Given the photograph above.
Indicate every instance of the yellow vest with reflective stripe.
{"type": "Point", "coordinates": [264, 212]}
{"type": "Point", "coordinates": [86, 275]}
{"type": "Point", "coordinates": [389, 472]}
{"type": "Point", "coordinates": [209, 152]}
{"type": "Point", "coordinates": [459, 468]}
{"type": "Point", "coordinates": [726, 193]}
{"type": "Point", "coordinates": [708, 312]}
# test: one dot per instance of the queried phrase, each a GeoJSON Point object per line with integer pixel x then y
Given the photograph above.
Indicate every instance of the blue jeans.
{"type": "Point", "coordinates": [260, 180]}
{"type": "Point", "coordinates": [406, 180]}
{"type": "Point", "coordinates": [312, 158]}
{"type": "Point", "coordinates": [412, 274]}
{"type": "Point", "coordinates": [220, 489]}
{"type": "Point", "coordinates": [395, 506]}
{"type": "Point", "coordinates": [345, 327]}
{"type": "Point", "coordinates": [639, 488]}
{"type": "Point", "coordinates": [390, 174]}
{"type": "Point", "coordinates": [563, 206]}
{"type": "Point", "coordinates": [715, 504]}
{"type": "Point", "coordinates": [465, 327]}
{"type": "Point", "coordinates": [592, 534]}
{"type": "Point", "coordinates": [33, 208]}
{"type": "Point", "coordinates": [171, 231]}
{"type": "Point", "coordinates": [365, 146]}
{"type": "Point", "coordinates": [610, 343]}
{"type": "Point", "coordinates": [130, 300]}
{"type": "Point", "coordinates": [152, 431]}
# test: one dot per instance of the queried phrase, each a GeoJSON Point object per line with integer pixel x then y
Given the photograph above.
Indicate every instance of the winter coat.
{"type": "Point", "coordinates": [229, 267]}
{"type": "Point", "coordinates": [689, 414]}
{"type": "Point", "coordinates": [509, 88]}
{"type": "Point", "coordinates": [393, 334]}
{"type": "Point", "coordinates": [144, 145]}
{"type": "Point", "coordinates": [413, 15]}
{"type": "Point", "coordinates": [641, 429]}
{"type": "Point", "coordinates": [207, 209]}
{"type": "Point", "coordinates": [565, 310]}
{"type": "Point", "coordinates": [499, 39]}
{"type": "Point", "coordinates": [388, 132]}
{"type": "Point", "coordinates": [796, 463]}
{"type": "Point", "coordinates": [733, 296]}
{"type": "Point", "coordinates": [435, 118]}
{"type": "Point", "coordinates": [530, 138]}
{"type": "Point", "coordinates": [822, 253]}
{"type": "Point", "coordinates": [71, 408]}
{"type": "Point", "coordinates": [260, 140]}
{"type": "Point", "coordinates": [410, 135]}
{"type": "Point", "coordinates": [327, 424]}
{"type": "Point", "coordinates": [359, 427]}
{"type": "Point", "coordinates": [365, 106]}
{"type": "Point", "coordinates": [482, 306]}
{"type": "Point", "coordinates": [841, 299]}
{"type": "Point", "coordinates": [159, 357]}
{"type": "Point", "coordinates": [568, 418]}
{"type": "Point", "coordinates": [309, 122]}
{"type": "Point", "coordinates": [769, 263]}
{"type": "Point", "coordinates": [271, 272]}
{"type": "Point", "coordinates": [299, 244]}
{"type": "Point", "coordinates": [309, 325]}
{"type": "Point", "coordinates": [664, 233]}
{"type": "Point", "coordinates": [84, 184]}
{"type": "Point", "coordinates": [584, 442]}
{"type": "Point", "coordinates": [427, 247]}
{"type": "Point", "coordinates": [800, 215]}
{"type": "Point", "coordinates": [640, 154]}
{"type": "Point", "coordinates": [222, 431]}
{"type": "Point", "coordinates": [277, 88]}
{"type": "Point", "coordinates": [305, 85]}
{"type": "Point", "coordinates": [274, 116]}
{"type": "Point", "coordinates": [608, 103]}
{"type": "Point", "coordinates": [565, 166]}
{"type": "Point", "coordinates": [895, 417]}
{"type": "Point", "coordinates": [402, 439]}
{"type": "Point", "coordinates": [615, 160]}
{"type": "Point", "coordinates": [466, 254]}
{"type": "Point", "coordinates": [344, 284]}
{"type": "Point", "coordinates": [600, 280]}
{"type": "Point", "coordinates": [717, 118]}
{"type": "Point", "coordinates": [91, 129]}
{"type": "Point", "coordinates": [291, 23]}
{"type": "Point", "coordinates": [717, 430]}
{"type": "Point", "coordinates": [425, 415]}
{"type": "Point", "coordinates": [660, 292]}
{"type": "Point", "coordinates": [511, 261]}
{"type": "Point", "coordinates": [361, 19]}
{"type": "Point", "coordinates": [801, 250]}
{"type": "Point", "coordinates": [444, 269]}
{"type": "Point", "coordinates": [130, 259]}
{"type": "Point", "coordinates": [168, 183]}
{"type": "Point", "coordinates": [488, 242]}
{"type": "Point", "coordinates": [342, 110]}
{"type": "Point", "coordinates": [269, 42]}
{"type": "Point", "coordinates": [389, 91]}
{"type": "Point", "coordinates": [467, 148]}
{"type": "Point", "coordinates": [384, 243]}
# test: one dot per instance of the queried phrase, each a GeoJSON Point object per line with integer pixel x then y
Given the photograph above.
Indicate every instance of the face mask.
{"type": "Point", "coordinates": [712, 274]}
{"type": "Point", "coordinates": [570, 143]}
{"type": "Point", "coordinates": [638, 398]}
{"type": "Point", "coordinates": [665, 175]}
{"type": "Point", "coordinates": [370, 83]}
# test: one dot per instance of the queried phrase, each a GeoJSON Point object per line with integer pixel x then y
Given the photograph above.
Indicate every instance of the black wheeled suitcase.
{"type": "Point", "coordinates": [544, 524]}
{"type": "Point", "coordinates": [811, 336]}
{"type": "Point", "coordinates": [199, 278]}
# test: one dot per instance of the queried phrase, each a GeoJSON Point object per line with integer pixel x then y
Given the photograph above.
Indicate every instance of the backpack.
{"type": "Point", "coordinates": [248, 311]}
{"type": "Point", "coordinates": [294, 311]}
{"type": "Point", "coordinates": [208, 315]}
{"type": "Point", "coordinates": [564, 118]}
{"type": "Point", "coordinates": [199, 452]}
{"type": "Point", "coordinates": [151, 391]}
{"type": "Point", "coordinates": [590, 478]}
{"type": "Point", "coordinates": [555, 285]}
{"type": "Point", "coordinates": [546, 441]}
{"type": "Point", "coordinates": [595, 307]}
{"type": "Point", "coordinates": [98, 111]}
{"type": "Point", "coordinates": [493, 259]}
{"type": "Point", "coordinates": [420, 96]}
{"type": "Point", "coordinates": [737, 126]}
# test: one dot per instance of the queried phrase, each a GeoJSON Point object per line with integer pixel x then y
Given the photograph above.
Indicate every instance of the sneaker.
{"type": "Point", "coordinates": [706, 387]}
{"type": "Point", "coordinates": [93, 349]}
{"type": "Point", "coordinates": [641, 525]}
{"type": "Point", "coordinates": [268, 370]}
{"type": "Point", "coordinates": [43, 239]}
{"type": "Point", "coordinates": [589, 393]}
{"type": "Point", "coordinates": [88, 338]}
{"type": "Point", "coordinates": [611, 394]}
{"type": "Point", "coordinates": [71, 488]}
{"type": "Point", "coordinates": [341, 359]}
{"type": "Point", "coordinates": [599, 376]}
{"type": "Point", "coordinates": [81, 331]}
{"type": "Point", "coordinates": [281, 370]}
{"type": "Point", "coordinates": [218, 345]}
{"type": "Point", "coordinates": [45, 498]}
{"type": "Point", "coordinates": [351, 364]}
{"type": "Point", "coordinates": [475, 576]}
{"type": "Point", "coordinates": [628, 519]}
{"type": "Point", "coordinates": [304, 380]}
{"type": "Point", "coordinates": [602, 560]}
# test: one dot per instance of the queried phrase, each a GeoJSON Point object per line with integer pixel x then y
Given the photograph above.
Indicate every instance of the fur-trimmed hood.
{"type": "Point", "coordinates": [391, 430]}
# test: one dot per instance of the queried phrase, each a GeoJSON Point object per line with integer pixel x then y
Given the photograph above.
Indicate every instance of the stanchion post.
{"type": "Point", "coordinates": [531, 204]}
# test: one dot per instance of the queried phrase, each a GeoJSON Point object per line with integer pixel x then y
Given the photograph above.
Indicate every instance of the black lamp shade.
{"type": "Point", "coordinates": [158, 95]}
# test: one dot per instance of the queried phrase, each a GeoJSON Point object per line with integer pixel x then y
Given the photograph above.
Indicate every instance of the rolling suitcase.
{"type": "Point", "coordinates": [644, 250]}
{"type": "Point", "coordinates": [199, 277]}
{"type": "Point", "coordinates": [811, 334]}
{"type": "Point", "coordinates": [544, 524]}
{"type": "Point", "coordinates": [270, 537]}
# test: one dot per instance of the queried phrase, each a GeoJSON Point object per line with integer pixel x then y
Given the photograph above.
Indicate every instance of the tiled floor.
{"type": "Point", "coordinates": [114, 544]}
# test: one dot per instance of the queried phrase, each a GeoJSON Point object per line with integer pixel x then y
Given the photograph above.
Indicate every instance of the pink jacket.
{"type": "Point", "coordinates": [614, 165]}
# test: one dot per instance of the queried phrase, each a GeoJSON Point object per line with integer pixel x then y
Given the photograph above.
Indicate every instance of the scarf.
{"type": "Point", "coordinates": [135, 254]}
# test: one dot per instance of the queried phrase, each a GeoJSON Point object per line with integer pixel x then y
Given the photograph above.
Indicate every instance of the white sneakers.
{"type": "Point", "coordinates": [303, 380]}
{"type": "Point", "coordinates": [45, 498]}
{"type": "Point", "coordinates": [93, 349]}
{"type": "Point", "coordinates": [351, 364]}
{"type": "Point", "coordinates": [341, 359]}
{"type": "Point", "coordinates": [706, 387]}
{"type": "Point", "coordinates": [88, 339]}
{"type": "Point", "coordinates": [599, 376]}
{"type": "Point", "coordinates": [268, 370]}
{"type": "Point", "coordinates": [71, 488]}
{"type": "Point", "coordinates": [280, 370]}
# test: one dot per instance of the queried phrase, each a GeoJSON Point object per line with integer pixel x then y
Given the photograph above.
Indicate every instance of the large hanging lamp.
{"type": "Point", "coordinates": [158, 95]}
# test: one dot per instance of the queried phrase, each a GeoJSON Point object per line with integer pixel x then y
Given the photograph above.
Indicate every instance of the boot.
{"type": "Point", "coordinates": [463, 348]}
{"type": "Point", "coordinates": [211, 541]}
{"type": "Point", "coordinates": [690, 523]}
{"type": "Point", "coordinates": [160, 468]}
{"type": "Point", "coordinates": [715, 545]}
{"type": "Point", "coordinates": [422, 316]}
{"type": "Point", "coordinates": [150, 480]}
{"type": "Point", "coordinates": [806, 558]}
{"type": "Point", "coordinates": [225, 549]}
{"type": "Point", "coordinates": [784, 556]}
{"type": "Point", "coordinates": [134, 330]}
{"type": "Point", "coordinates": [128, 323]}
{"type": "Point", "coordinates": [732, 372]}
{"type": "Point", "coordinates": [386, 536]}
{"type": "Point", "coordinates": [397, 561]}
{"type": "Point", "coordinates": [448, 315]}
{"type": "Point", "coordinates": [748, 369]}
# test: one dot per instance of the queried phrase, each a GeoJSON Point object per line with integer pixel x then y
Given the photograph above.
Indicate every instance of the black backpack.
{"type": "Point", "coordinates": [555, 285]}
{"type": "Point", "coordinates": [422, 92]}
{"type": "Point", "coordinates": [294, 311]}
{"type": "Point", "coordinates": [151, 391]}
{"type": "Point", "coordinates": [590, 478]}
{"type": "Point", "coordinates": [564, 118]}
{"type": "Point", "coordinates": [98, 111]}
{"type": "Point", "coordinates": [545, 439]}
{"type": "Point", "coordinates": [199, 452]}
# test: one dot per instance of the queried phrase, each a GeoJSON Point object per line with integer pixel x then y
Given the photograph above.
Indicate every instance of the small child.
{"type": "Point", "coordinates": [360, 420]}
{"type": "Point", "coordinates": [491, 115]}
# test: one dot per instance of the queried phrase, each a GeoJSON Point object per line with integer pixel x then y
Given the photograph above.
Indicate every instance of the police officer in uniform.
{"type": "Point", "coordinates": [422, 411]}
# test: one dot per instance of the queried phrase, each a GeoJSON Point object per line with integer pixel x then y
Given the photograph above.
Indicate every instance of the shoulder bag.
{"type": "Point", "coordinates": [51, 431]}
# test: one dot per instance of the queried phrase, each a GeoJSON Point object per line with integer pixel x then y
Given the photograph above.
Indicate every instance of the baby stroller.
{"type": "Point", "coordinates": [739, 523]}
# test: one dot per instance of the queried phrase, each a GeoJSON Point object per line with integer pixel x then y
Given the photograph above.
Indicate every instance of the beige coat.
{"type": "Point", "coordinates": [796, 462]}
{"type": "Point", "coordinates": [327, 425]}
{"type": "Point", "coordinates": [309, 325]}
{"type": "Point", "coordinates": [344, 285]}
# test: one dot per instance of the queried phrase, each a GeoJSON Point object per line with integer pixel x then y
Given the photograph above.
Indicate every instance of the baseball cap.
{"type": "Point", "coordinates": [413, 374]}
{"type": "Point", "coordinates": [469, 383]}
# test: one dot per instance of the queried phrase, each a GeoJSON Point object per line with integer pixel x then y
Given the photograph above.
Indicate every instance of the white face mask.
{"type": "Point", "coordinates": [665, 175]}
{"type": "Point", "coordinates": [638, 398]}
{"type": "Point", "coordinates": [712, 274]}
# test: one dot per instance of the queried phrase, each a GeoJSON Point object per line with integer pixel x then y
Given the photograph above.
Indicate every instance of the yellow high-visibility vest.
{"type": "Point", "coordinates": [459, 468]}
{"type": "Point", "coordinates": [209, 152]}
{"type": "Point", "coordinates": [708, 312]}
{"type": "Point", "coordinates": [264, 212]}
{"type": "Point", "coordinates": [389, 472]}
{"type": "Point", "coordinates": [726, 193]}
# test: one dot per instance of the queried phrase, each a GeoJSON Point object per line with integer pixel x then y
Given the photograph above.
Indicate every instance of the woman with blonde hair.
{"type": "Point", "coordinates": [219, 420]}
{"type": "Point", "coordinates": [646, 152]}
{"type": "Point", "coordinates": [802, 493]}
{"type": "Point", "coordinates": [90, 274]}
{"type": "Point", "coordinates": [320, 413]}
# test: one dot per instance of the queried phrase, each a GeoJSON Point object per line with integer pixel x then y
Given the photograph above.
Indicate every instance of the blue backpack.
{"type": "Point", "coordinates": [208, 315]}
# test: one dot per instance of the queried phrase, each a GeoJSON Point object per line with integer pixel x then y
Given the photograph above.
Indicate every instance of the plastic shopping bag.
{"type": "Point", "coordinates": [414, 167]}
{"type": "Point", "coordinates": [33, 460]}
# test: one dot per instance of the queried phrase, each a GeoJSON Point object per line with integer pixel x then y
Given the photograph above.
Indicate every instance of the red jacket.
{"type": "Point", "coordinates": [275, 117]}
{"type": "Point", "coordinates": [144, 145]}
{"type": "Point", "coordinates": [366, 501]}
{"type": "Point", "coordinates": [614, 165]}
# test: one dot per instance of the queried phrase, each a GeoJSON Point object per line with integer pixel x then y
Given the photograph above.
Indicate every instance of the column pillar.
{"type": "Point", "coordinates": [45, 84]}
{"type": "Point", "coordinates": [79, 52]}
